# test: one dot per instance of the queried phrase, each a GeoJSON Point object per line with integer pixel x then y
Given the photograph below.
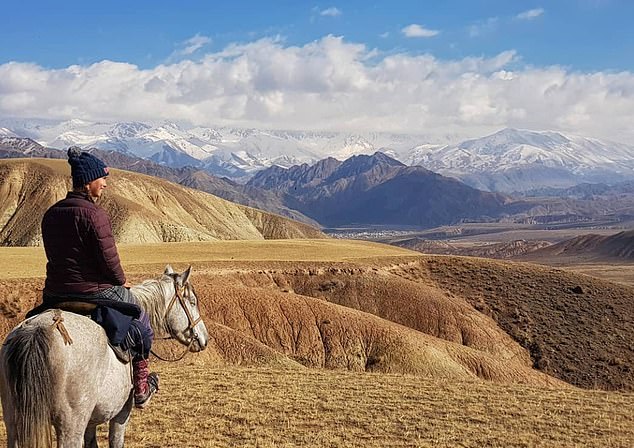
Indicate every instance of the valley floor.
{"type": "Point", "coordinates": [210, 406]}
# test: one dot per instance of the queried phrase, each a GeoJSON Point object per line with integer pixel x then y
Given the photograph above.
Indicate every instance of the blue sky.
{"type": "Point", "coordinates": [582, 34]}
{"type": "Point", "coordinates": [453, 66]}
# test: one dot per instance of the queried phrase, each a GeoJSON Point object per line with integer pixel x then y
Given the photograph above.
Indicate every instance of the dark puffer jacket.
{"type": "Point", "coordinates": [81, 252]}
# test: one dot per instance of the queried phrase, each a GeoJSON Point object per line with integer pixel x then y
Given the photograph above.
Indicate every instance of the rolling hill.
{"type": "Point", "coordinates": [589, 247]}
{"type": "Point", "coordinates": [189, 176]}
{"type": "Point", "coordinates": [143, 208]}
{"type": "Point", "coordinates": [374, 308]}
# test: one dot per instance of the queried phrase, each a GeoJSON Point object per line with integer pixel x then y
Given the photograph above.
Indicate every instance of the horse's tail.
{"type": "Point", "coordinates": [28, 380]}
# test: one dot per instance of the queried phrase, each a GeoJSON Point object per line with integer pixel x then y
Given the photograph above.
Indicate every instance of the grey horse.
{"type": "Point", "coordinates": [57, 370]}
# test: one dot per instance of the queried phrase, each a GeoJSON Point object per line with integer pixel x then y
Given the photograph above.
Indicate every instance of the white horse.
{"type": "Point", "coordinates": [47, 379]}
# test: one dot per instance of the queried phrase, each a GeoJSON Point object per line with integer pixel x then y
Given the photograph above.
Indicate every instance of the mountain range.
{"type": "Point", "coordinates": [374, 189]}
{"type": "Point", "coordinates": [377, 190]}
{"type": "Point", "coordinates": [368, 190]}
{"type": "Point", "coordinates": [515, 160]}
{"type": "Point", "coordinates": [14, 147]}
{"type": "Point", "coordinates": [510, 160]}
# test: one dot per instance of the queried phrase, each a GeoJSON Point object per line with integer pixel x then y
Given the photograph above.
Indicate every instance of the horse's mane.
{"type": "Point", "coordinates": [151, 295]}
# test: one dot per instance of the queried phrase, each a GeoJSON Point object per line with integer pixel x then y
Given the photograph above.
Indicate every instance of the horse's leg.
{"type": "Point", "coordinates": [116, 431]}
{"type": "Point", "coordinates": [70, 433]}
{"type": "Point", "coordinates": [70, 439]}
{"type": "Point", "coordinates": [90, 437]}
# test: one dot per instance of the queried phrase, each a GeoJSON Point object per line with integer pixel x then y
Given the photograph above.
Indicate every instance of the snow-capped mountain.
{"type": "Point", "coordinates": [174, 158]}
{"type": "Point", "coordinates": [24, 145]}
{"type": "Point", "coordinates": [517, 160]}
{"type": "Point", "coordinates": [236, 153]}
{"type": "Point", "coordinates": [508, 160]}
{"type": "Point", "coordinates": [128, 130]}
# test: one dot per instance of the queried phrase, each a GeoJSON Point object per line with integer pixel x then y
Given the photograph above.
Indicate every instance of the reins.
{"type": "Point", "coordinates": [175, 359]}
{"type": "Point", "coordinates": [191, 326]}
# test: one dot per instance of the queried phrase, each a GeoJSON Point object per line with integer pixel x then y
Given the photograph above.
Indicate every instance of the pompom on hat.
{"type": "Point", "coordinates": [84, 167]}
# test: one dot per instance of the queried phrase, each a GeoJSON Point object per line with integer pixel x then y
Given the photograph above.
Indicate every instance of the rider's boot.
{"type": "Point", "coordinates": [145, 384]}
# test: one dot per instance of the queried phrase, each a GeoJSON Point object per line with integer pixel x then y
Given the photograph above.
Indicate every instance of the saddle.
{"type": "Point", "coordinates": [86, 309]}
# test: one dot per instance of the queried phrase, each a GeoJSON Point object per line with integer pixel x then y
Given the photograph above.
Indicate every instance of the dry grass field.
{"type": "Point", "coordinates": [27, 262]}
{"type": "Point", "coordinates": [618, 272]}
{"type": "Point", "coordinates": [346, 343]}
{"type": "Point", "coordinates": [277, 408]}
{"type": "Point", "coordinates": [207, 406]}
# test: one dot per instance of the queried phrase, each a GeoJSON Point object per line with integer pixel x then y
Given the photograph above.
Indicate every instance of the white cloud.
{"type": "Point", "coordinates": [330, 84]}
{"type": "Point", "coordinates": [331, 12]}
{"type": "Point", "coordinates": [189, 47]}
{"type": "Point", "coordinates": [415, 30]}
{"type": "Point", "coordinates": [530, 14]}
{"type": "Point", "coordinates": [195, 43]}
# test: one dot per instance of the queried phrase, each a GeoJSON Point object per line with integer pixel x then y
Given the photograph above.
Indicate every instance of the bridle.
{"type": "Point", "coordinates": [191, 327]}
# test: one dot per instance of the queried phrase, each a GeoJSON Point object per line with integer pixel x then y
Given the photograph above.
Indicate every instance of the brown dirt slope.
{"type": "Point", "coordinates": [143, 209]}
{"type": "Point", "coordinates": [316, 333]}
{"type": "Point", "coordinates": [412, 304]}
{"type": "Point", "coordinates": [451, 317]}
{"type": "Point", "coordinates": [574, 327]}
{"type": "Point", "coordinates": [577, 328]}
{"type": "Point", "coordinates": [590, 247]}
{"type": "Point", "coordinates": [260, 326]}
{"type": "Point", "coordinates": [503, 250]}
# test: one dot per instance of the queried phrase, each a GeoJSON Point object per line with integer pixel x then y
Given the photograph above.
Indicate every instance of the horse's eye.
{"type": "Point", "coordinates": [191, 295]}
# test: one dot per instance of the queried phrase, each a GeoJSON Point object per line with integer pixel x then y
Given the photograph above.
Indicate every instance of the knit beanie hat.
{"type": "Point", "coordinates": [84, 167]}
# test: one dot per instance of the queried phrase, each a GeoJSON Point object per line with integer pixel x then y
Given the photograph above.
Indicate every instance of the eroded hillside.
{"type": "Point", "coordinates": [590, 247]}
{"type": "Point", "coordinates": [363, 307]}
{"type": "Point", "coordinates": [143, 209]}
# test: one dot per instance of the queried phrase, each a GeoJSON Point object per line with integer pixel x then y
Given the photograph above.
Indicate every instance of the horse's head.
{"type": "Point", "coordinates": [182, 315]}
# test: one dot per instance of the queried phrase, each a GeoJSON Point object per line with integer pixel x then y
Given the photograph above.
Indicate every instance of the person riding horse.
{"type": "Point", "coordinates": [83, 266]}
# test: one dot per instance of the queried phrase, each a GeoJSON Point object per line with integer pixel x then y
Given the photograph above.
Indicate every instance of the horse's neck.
{"type": "Point", "coordinates": [152, 297]}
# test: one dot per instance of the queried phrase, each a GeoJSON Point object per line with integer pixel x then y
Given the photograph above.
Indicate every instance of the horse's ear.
{"type": "Point", "coordinates": [168, 270]}
{"type": "Point", "coordinates": [185, 275]}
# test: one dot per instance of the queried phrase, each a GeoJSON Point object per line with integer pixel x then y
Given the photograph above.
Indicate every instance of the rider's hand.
{"type": "Point", "coordinates": [127, 285]}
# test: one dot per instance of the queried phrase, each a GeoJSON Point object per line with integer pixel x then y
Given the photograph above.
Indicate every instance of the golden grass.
{"type": "Point", "coordinates": [262, 250]}
{"type": "Point", "coordinates": [52, 164]}
{"type": "Point", "coordinates": [28, 262]}
{"type": "Point", "coordinates": [617, 272]}
{"type": "Point", "coordinates": [22, 262]}
{"type": "Point", "coordinates": [203, 406]}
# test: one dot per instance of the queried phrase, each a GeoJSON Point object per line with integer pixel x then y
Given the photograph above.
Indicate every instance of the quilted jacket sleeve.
{"type": "Point", "coordinates": [105, 247]}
